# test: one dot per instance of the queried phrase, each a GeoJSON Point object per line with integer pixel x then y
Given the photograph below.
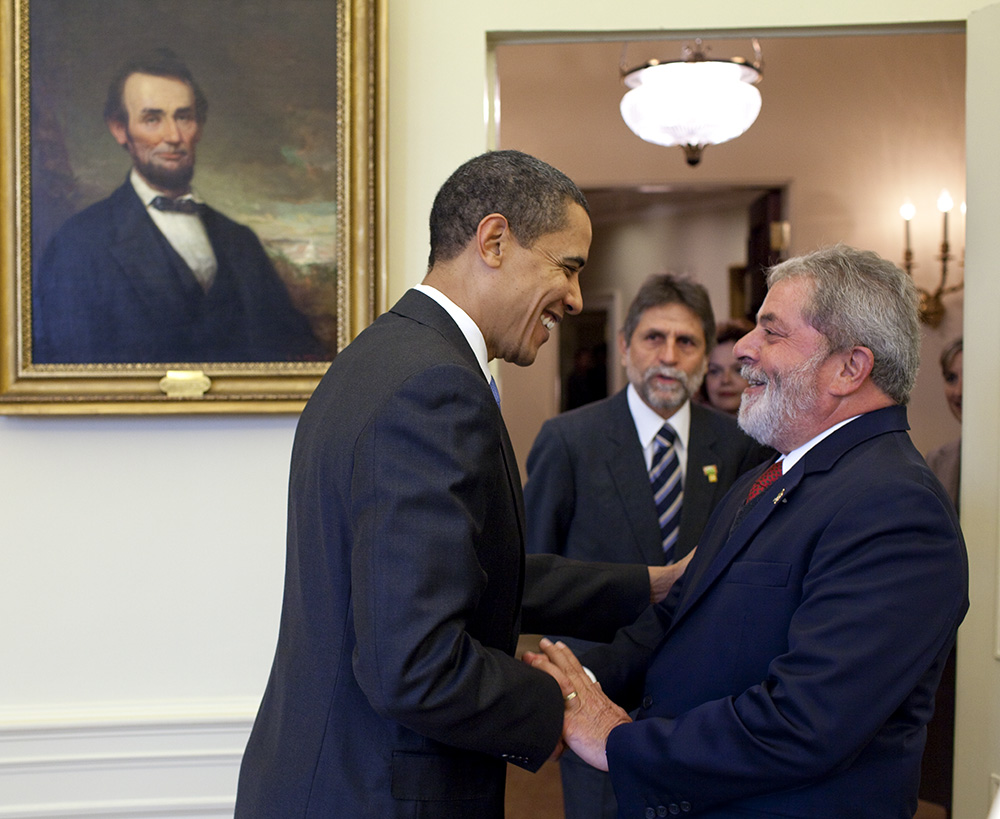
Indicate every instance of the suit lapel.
{"type": "Point", "coordinates": [723, 550]}
{"type": "Point", "coordinates": [699, 491]}
{"type": "Point", "coordinates": [140, 251]}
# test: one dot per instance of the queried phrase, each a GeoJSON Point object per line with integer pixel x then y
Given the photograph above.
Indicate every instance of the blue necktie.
{"type": "Point", "coordinates": [665, 479]}
{"type": "Point", "coordinates": [496, 392]}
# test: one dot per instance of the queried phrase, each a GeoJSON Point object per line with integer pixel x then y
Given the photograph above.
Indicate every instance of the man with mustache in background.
{"type": "Point", "coordinates": [792, 670]}
{"type": "Point", "coordinates": [590, 495]}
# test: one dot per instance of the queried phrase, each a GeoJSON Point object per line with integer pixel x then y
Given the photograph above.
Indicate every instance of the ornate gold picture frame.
{"type": "Point", "coordinates": [292, 147]}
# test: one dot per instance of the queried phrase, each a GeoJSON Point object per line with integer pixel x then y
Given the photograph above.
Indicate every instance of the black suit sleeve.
{"type": "Point", "coordinates": [581, 599]}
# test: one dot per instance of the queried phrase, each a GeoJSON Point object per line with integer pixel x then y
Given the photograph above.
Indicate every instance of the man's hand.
{"type": "Point", "coordinates": [661, 578]}
{"type": "Point", "coordinates": [590, 716]}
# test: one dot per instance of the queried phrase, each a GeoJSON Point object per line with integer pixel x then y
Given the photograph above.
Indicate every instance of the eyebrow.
{"type": "Point", "coordinates": [184, 109]}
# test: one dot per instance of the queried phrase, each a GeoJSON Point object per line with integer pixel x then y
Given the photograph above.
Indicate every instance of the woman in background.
{"type": "Point", "coordinates": [945, 461]}
{"type": "Point", "coordinates": [723, 386]}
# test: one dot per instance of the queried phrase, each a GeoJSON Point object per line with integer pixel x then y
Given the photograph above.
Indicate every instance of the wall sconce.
{"type": "Point", "coordinates": [931, 305]}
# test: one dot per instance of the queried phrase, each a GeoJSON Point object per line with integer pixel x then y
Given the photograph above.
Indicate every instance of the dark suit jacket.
{"type": "Point", "coordinates": [110, 288]}
{"type": "Point", "coordinates": [791, 672]}
{"type": "Point", "coordinates": [394, 691]}
{"type": "Point", "coordinates": [588, 495]}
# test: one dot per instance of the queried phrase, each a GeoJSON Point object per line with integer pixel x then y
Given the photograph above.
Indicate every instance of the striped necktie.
{"type": "Point", "coordinates": [665, 479]}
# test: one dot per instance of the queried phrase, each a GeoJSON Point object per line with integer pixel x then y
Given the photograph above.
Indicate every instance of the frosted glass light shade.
{"type": "Point", "coordinates": [691, 103]}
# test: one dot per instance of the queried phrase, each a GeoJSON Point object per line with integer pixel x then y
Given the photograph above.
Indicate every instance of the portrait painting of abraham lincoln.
{"type": "Point", "coordinates": [184, 182]}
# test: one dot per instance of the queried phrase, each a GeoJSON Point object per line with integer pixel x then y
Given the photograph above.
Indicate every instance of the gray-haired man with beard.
{"type": "Point", "coordinates": [792, 670]}
{"type": "Point", "coordinates": [634, 477]}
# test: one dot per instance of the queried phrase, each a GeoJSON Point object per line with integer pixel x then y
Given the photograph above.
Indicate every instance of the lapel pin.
{"type": "Point", "coordinates": [781, 494]}
{"type": "Point", "coordinates": [711, 472]}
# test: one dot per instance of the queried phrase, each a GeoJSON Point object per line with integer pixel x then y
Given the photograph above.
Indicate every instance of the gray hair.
{"type": "Point", "coordinates": [531, 194]}
{"type": "Point", "coordinates": [860, 299]}
{"type": "Point", "coordinates": [667, 288]}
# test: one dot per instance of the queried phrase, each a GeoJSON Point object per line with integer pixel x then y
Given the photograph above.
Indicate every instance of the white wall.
{"type": "Point", "coordinates": [140, 584]}
{"type": "Point", "coordinates": [141, 565]}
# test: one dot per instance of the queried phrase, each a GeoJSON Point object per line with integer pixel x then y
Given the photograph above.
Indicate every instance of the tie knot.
{"type": "Point", "coordinates": [666, 436]}
{"type": "Point", "coordinates": [181, 205]}
{"type": "Point", "coordinates": [764, 480]}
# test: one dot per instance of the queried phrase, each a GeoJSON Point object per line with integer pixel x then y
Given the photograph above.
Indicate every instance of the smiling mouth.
{"type": "Point", "coordinates": [753, 379]}
{"type": "Point", "coordinates": [549, 321]}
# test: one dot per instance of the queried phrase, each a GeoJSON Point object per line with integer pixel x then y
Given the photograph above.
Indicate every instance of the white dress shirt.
{"type": "Point", "coordinates": [185, 232]}
{"type": "Point", "coordinates": [648, 423]}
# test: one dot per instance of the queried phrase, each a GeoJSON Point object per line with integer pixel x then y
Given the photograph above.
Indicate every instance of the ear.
{"type": "Point", "coordinates": [856, 367]}
{"type": "Point", "coordinates": [119, 131]}
{"type": "Point", "coordinates": [622, 347]}
{"type": "Point", "coordinates": [492, 236]}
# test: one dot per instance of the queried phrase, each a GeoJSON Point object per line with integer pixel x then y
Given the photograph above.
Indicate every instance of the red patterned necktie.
{"type": "Point", "coordinates": [764, 480]}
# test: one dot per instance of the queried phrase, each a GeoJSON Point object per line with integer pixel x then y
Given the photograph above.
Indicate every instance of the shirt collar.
{"type": "Point", "coordinates": [793, 457]}
{"type": "Point", "coordinates": [147, 193]}
{"type": "Point", "coordinates": [648, 422]}
{"type": "Point", "coordinates": [465, 323]}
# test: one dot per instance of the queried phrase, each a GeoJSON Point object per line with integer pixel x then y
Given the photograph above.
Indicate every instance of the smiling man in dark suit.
{"type": "Point", "coordinates": [152, 274]}
{"type": "Point", "coordinates": [394, 691]}
{"type": "Point", "coordinates": [792, 670]}
{"type": "Point", "coordinates": [589, 494]}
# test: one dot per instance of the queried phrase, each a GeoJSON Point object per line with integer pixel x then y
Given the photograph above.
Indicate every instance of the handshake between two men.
{"type": "Point", "coordinates": [590, 714]}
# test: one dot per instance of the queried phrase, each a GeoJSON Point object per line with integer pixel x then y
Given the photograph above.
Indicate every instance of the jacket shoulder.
{"type": "Point", "coordinates": [597, 415]}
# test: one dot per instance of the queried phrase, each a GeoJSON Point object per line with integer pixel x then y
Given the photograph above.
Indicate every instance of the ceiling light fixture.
{"type": "Point", "coordinates": [692, 102]}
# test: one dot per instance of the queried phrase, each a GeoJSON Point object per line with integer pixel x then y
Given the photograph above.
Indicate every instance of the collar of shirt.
{"type": "Point", "coordinates": [465, 323]}
{"type": "Point", "coordinates": [793, 457]}
{"type": "Point", "coordinates": [147, 193]}
{"type": "Point", "coordinates": [648, 423]}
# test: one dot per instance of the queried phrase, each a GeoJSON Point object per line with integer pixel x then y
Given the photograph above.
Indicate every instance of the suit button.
{"type": "Point", "coordinates": [674, 809]}
{"type": "Point", "coordinates": [647, 702]}
{"type": "Point", "coordinates": [661, 811]}
{"type": "Point", "coordinates": [650, 813]}
{"type": "Point", "coordinates": [685, 807]}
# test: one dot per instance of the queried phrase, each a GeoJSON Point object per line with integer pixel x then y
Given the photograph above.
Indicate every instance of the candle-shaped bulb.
{"type": "Point", "coordinates": [945, 202]}
{"type": "Point", "coordinates": [907, 210]}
